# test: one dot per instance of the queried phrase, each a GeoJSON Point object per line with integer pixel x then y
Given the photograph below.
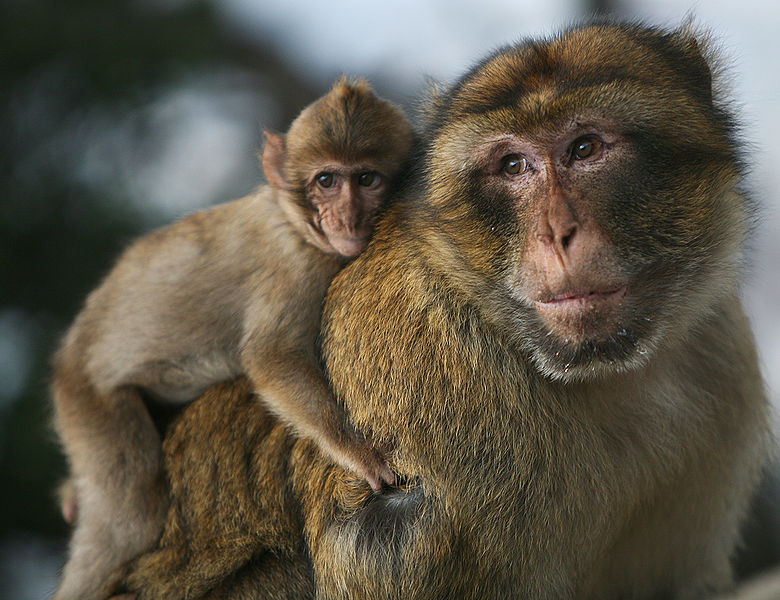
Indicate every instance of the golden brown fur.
{"type": "Point", "coordinates": [236, 289]}
{"type": "Point", "coordinates": [217, 525]}
{"type": "Point", "coordinates": [609, 467]}
{"type": "Point", "coordinates": [539, 459]}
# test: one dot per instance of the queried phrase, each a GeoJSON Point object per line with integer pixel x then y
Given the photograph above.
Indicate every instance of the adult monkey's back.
{"type": "Point", "coordinates": [549, 335]}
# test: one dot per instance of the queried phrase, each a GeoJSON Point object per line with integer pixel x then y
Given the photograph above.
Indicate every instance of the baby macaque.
{"type": "Point", "coordinates": [233, 290]}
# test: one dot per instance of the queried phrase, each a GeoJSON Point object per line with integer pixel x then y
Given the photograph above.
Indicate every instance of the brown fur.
{"type": "Point", "coordinates": [622, 470]}
{"type": "Point", "coordinates": [236, 289]}
{"type": "Point", "coordinates": [217, 525]}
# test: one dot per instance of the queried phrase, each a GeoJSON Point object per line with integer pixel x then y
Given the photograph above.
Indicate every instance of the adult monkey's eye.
{"type": "Point", "coordinates": [514, 164]}
{"type": "Point", "coordinates": [368, 178]}
{"type": "Point", "coordinates": [325, 180]}
{"type": "Point", "coordinates": [585, 147]}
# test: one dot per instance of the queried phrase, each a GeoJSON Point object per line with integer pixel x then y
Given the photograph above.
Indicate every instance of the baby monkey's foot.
{"type": "Point", "coordinates": [374, 468]}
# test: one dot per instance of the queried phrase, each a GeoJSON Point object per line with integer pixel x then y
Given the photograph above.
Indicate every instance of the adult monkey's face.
{"type": "Point", "coordinates": [591, 178]}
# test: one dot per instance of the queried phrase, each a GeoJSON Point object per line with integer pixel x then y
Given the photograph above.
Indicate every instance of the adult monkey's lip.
{"type": "Point", "coordinates": [574, 297]}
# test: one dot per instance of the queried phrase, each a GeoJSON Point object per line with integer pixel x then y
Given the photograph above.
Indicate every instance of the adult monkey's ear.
{"type": "Point", "coordinates": [274, 157]}
{"type": "Point", "coordinates": [696, 64]}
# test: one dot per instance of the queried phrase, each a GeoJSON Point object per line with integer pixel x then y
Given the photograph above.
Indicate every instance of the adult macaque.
{"type": "Point", "coordinates": [236, 289]}
{"type": "Point", "coordinates": [568, 371]}
{"type": "Point", "coordinates": [547, 334]}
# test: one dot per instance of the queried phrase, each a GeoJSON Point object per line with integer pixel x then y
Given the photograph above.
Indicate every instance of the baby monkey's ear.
{"type": "Point", "coordinates": [274, 157]}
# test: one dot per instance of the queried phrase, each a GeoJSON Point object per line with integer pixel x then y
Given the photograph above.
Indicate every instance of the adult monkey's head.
{"type": "Point", "coordinates": [593, 180]}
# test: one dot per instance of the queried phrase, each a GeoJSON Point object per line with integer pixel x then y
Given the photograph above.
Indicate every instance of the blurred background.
{"type": "Point", "coordinates": [117, 117]}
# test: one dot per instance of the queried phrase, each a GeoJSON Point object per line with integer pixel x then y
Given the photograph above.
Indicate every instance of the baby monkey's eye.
{"type": "Point", "coordinates": [368, 178]}
{"type": "Point", "coordinates": [326, 180]}
{"type": "Point", "coordinates": [585, 147]}
{"type": "Point", "coordinates": [514, 164]}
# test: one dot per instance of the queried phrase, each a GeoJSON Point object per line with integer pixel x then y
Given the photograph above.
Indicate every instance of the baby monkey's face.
{"type": "Point", "coordinates": [347, 199]}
